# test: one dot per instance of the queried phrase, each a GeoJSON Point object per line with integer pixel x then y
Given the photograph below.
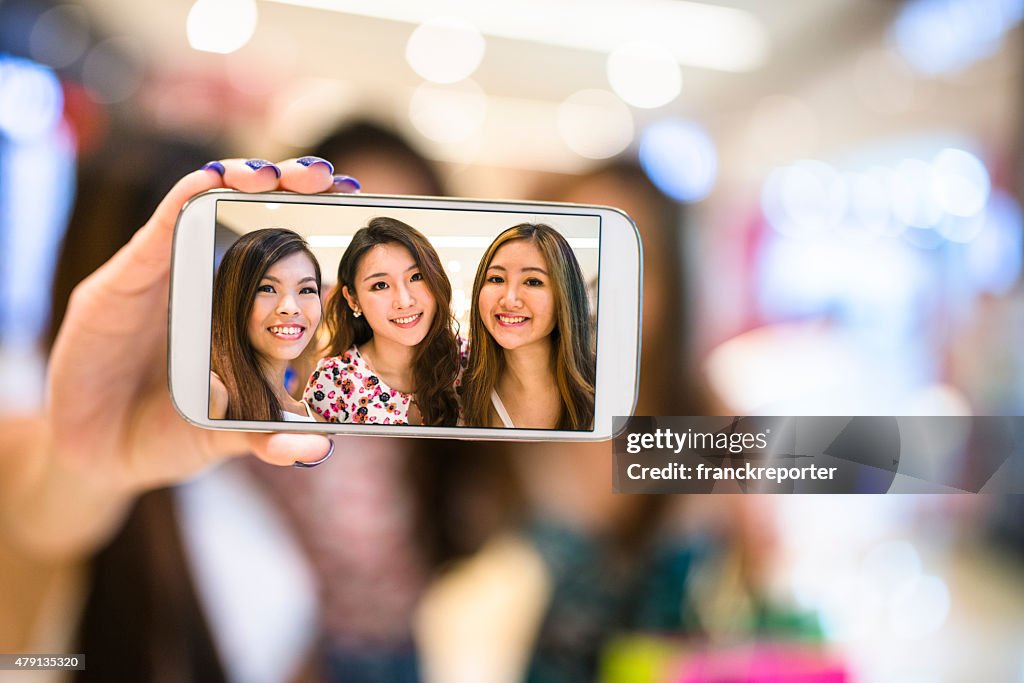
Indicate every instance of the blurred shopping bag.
{"type": "Point", "coordinates": [654, 659]}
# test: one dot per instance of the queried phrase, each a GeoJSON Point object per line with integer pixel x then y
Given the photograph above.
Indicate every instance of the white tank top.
{"type": "Point", "coordinates": [499, 408]}
{"type": "Point", "coordinates": [293, 417]}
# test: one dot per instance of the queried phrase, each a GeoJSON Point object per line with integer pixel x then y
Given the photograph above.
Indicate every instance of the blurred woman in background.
{"type": "Point", "coordinates": [580, 564]}
{"type": "Point", "coordinates": [383, 514]}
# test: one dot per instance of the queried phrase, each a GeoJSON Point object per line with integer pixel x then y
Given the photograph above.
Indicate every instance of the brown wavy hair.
{"type": "Point", "coordinates": [572, 338]}
{"type": "Point", "coordinates": [436, 361]}
{"type": "Point", "coordinates": [232, 356]}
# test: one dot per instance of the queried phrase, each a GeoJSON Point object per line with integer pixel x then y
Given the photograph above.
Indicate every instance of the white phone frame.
{"type": "Point", "coordinates": [620, 269]}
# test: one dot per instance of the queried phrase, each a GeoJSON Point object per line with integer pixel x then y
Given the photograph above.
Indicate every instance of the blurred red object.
{"type": "Point", "coordinates": [89, 120]}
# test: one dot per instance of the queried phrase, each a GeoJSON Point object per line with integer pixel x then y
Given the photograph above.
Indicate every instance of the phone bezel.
{"type": "Point", "coordinates": [620, 269]}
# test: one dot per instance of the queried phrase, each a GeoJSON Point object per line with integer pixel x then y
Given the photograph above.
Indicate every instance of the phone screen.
{"type": "Point", "coordinates": [374, 314]}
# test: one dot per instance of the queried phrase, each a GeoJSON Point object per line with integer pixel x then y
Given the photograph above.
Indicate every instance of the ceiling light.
{"type": "Point", "coordinates": [644, 75]}
{"type": "Point", "coordinates": [699, 34]}
{"type": "Point", "coordinates": [221, 26]}
{"type": "Point", "coordinates": [445, 50]}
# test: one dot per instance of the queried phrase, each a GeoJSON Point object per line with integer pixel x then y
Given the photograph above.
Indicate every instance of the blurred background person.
{"type": "Point", "coordinates": [371, 528]}
{"type": "Point", "coordinates": [593, 565]}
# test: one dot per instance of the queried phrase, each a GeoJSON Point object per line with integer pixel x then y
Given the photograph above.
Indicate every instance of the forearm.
{"type": "Point", "coordinates": [39, 601]}
{"type": "Point", "coordinates": [50, 508]}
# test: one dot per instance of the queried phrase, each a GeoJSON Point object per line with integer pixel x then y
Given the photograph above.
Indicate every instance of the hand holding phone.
{"type": "Point", "coordinates": [408, 316]}
{"type": "Point", "coordinates": [109, 414]}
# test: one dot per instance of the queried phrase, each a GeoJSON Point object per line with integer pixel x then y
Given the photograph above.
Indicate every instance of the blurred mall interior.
{"type": "Point", "coordinates": [843, 236]}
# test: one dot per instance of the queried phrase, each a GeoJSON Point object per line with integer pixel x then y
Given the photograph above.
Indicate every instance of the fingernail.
{"type": "Point", "coordinates": [214, 166]}
{"type": "Point", "coordinates": [309, 161]}
{"type": "Point", "coordinates": [347, 180]}
{"type": "Point", "coordinates": [257, 164]}
{"type": "Point", "coordinates": [327, 456]}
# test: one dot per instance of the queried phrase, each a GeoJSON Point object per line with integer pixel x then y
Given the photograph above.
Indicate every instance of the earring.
{"type": "Point", "coordinates": [356, 312]}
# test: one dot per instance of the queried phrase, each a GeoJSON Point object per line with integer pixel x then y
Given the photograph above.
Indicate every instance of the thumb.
{"type": "Point", "coordinates": [277, 449]}
{"type": "Point", "coordinates": [147, 257]}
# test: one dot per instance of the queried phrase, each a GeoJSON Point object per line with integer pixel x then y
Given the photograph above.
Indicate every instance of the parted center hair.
{"type": "Point", "coordinates": [233, 357]}
{"type": "Point", "coordinates": [436, 360]}
{"type": "Point", "coordinates": [572, 340]}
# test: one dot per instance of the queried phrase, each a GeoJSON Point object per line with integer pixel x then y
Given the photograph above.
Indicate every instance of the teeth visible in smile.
{"type": "Point", "coordinates": [287, 329]}
{"type": "Point", "coordinates": [511, 319]}
{"type": "Point", "coordinates": [406, 320]}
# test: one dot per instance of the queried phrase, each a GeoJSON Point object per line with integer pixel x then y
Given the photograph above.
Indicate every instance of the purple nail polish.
{"type": "Point", "coordinates": [309, 161]}
{"type": "Point", "coordinates": [347, 179]}
{"type": "Point", "coordinates": [257, 164]}
{"type": "Point", "coordinates": [214, 166]}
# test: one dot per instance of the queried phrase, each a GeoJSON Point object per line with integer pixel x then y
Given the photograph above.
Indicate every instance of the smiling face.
{"type": "Point", "coordinates": [286, 310]}
{"type": "Point", "coordinates": [517, 302]}
{"type": "Point", "coordinates": [391, 292]}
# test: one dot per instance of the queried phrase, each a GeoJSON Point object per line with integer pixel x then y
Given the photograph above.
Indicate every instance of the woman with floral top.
{"type": "Point", "coordinates": [393, 356]}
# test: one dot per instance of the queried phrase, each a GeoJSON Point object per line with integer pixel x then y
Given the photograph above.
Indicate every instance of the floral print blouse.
{"type": "Point", "coordinates": [345, 389]}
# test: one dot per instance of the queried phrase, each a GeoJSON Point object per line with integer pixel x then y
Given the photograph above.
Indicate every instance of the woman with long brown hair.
{"type": "Point", "coordinates": [266, 309]}
{"type": "Point", "coordinates": [394, 355]}
{"type": "Point", "coordinates": [532, 363]}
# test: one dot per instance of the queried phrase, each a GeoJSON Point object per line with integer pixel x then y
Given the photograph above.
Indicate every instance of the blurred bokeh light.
{"type": "Point", "coordinates": [445, 50]}
{"type": "Point", "coordinates": [221, 26]}
{"type": "Point", "coordinates": [680, 158]}
{"type": "Point", "coordinates": [644, 75]}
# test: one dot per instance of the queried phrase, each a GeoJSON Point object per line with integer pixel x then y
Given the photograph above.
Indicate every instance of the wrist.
{"type": "Point", "coordinates": [53, 507]}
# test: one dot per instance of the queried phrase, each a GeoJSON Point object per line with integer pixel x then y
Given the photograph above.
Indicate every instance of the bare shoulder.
{"type": "Point", "coordinates": [218, 397]}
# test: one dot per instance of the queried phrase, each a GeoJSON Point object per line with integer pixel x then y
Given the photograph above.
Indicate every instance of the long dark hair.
{"type": "Point", "coordinates": [232, 356]}
{"type": "Point", "coordinates": [671, 382]}
{"type": "Point", "coordinates": [436, 361]}
{"type": "Point", "coordinates": [362, 140]}
{"type": "Point", "coordinates": [572, 341]}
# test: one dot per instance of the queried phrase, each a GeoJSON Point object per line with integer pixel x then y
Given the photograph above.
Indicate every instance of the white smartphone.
{"type": "Point", "coordinates": [404, 316]}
